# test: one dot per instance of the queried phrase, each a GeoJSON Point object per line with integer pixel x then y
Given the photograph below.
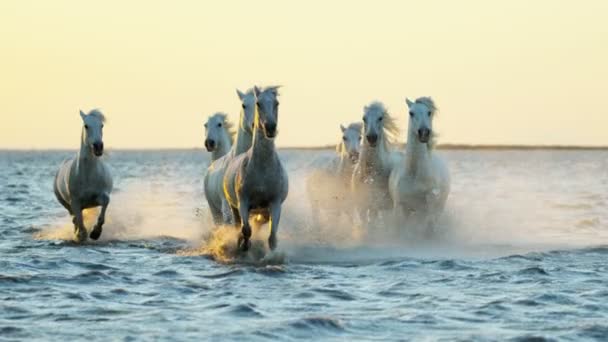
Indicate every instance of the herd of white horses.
{"type": "Point", "coordinates": [370, 178]}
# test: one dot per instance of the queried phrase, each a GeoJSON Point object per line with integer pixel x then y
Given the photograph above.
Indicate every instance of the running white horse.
{"type": "Point", "coordinates": [256, 182]}
{"type": "Point", "coordinates": [328, 187]}
{"type": "Point", "coordinates": [377, 159]}
{"type": "Point", "coordinates": [219, 135]}
{"type": "Point", "coordinates": [85, 181]}
{"type": "Point", "coordinates": [420, 185]}
{"type": "Point", "coordinates": [214, 178]}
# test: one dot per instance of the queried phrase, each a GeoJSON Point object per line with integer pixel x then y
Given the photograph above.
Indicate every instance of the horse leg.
{"type": "Point", "coordinates": [80, 232]}
{"type": "Point", "coordinates": [243, 212]}
{"type": "Point", "coordinates": [103, 200]}
{"type": "Point", "coordinates": [226, 212]}
{"type": "Point", "coordinates": [236, 217]}
{"type": "Point", "coordinates": [275, 217]}
{"type": "Point", "coordinates": [63, 202]}
{"type": "Point", "coordinates": [217, 216]}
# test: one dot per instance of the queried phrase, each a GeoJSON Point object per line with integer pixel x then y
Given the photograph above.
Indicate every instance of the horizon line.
{"type": "Point", "coordinates": [446, 146]}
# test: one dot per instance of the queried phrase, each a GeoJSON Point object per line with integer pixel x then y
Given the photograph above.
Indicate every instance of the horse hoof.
{"type": "Point", "coordinates": [95, 233]}
{"type": "Point", "coordinates": [81, 236]}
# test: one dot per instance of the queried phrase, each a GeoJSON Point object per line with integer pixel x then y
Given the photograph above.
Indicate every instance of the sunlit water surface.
{"type": "Point", "coordinates": [521, 252]}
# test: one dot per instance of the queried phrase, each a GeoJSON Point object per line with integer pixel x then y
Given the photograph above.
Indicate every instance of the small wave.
{"type": "Point", "coordinates": [223, 274]}
{"type": "Point", "coordinates": [531, 338]}
{"type": "Point", "coordinates": [336, 294]}
{"type": "Point", "coordinates": [14, 279]}
{"type": "Point", "coordinates": [594, 331]}
{"type": "Point", "coordinates": [245, 310]}
{"type": "Point", "coordinates": [535, 270]}
{"type": "Point", "coordinates": [166, 273]}
{"type": "Point", "coordinates": [318, 323]}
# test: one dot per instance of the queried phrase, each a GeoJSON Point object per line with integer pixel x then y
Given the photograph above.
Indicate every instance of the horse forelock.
{"type": "Point", "coordinates": [96, 113]}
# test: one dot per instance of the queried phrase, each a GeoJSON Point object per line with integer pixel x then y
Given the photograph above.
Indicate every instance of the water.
{"type": "Point", "coordinates": [523, 253]}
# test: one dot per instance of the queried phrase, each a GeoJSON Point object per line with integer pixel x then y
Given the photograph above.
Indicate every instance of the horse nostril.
{"type": "Point", "coordinates": [209, 144]}
{"type": "Point", "coordinates": [98, 148]}
{"type": "Point", "coordinates": [271, 129]}
{"type": "Point", "coordinates": [372, 138]}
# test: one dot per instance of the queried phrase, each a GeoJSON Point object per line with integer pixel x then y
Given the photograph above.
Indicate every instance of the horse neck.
{"type": "Point", "coordinates": [243, 138]}
{"type": "Point", "coordinates": [373, 159]}
{"type": "Point", "coordinates": [224, 147]}
{"type": "Point", "coordinates": [345, 165]}
{"type": "Point", "coordinates": [262, 149]}
{"type": "Point", "coordinates": [86, 159]}
{"type": "Point", "coordinates": [417, 155]}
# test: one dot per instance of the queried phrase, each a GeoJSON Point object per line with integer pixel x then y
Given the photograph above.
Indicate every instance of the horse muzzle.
{"type": "Point", "coordinates": [98, 149]}
{"type": "Point", "coordinates": [372, 139]}
{"type": "Point", "coordinates": [354, 156]}
{"type": "Point", "coordinates": [270, 130]}
{"type": "Point", "coordinates": [209, 145]}
{"type": "Point", "coordinates": [424, 135]}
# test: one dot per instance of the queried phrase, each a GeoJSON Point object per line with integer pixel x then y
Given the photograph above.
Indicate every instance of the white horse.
{"type": "Point", "coordinates": [329, 187]}
{"type": "Point", "coordinates": [219, 135]}
{"type": "Point", "coordinates": [420, 185]}
{"type": "Point", "coordinates": [85, 181]}
{"type": "Point", "coordinates": [256, 182]}
{"type": "Point", "coordinates": [214, 178]}
{"type": "Point", "coordinates": [377, 158]}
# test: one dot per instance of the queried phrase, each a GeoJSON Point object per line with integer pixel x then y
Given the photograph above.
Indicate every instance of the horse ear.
{"type": "Point", "coordinates": [342, 128]}
{"type": "Point", "coordinates": [256, 90]}
{"type": "Point", "coordinates": [82, 114]}
{"type": "Point", "coordinates": [240, 94]}
{"type": "Point", "coordinates": [409, 103]}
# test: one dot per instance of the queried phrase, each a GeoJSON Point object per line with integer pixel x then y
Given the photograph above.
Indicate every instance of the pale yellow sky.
{"type": "Point", "coordinates": [502, 72]}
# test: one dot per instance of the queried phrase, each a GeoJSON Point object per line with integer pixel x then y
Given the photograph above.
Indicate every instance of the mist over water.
{"type": "Point", "coordinates": [523, 238]}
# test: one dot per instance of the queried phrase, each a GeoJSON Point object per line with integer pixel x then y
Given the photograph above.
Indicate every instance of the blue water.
{"type": "Point", "coordinates": [522, 253]}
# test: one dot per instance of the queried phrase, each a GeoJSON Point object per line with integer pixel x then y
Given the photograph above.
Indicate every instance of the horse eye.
{"type": "Point", "coordinates": [364, 119]}
{"type": "Point", "coordinates": [243, 106]}
{"type": "Point", "coordinates": [344, 138]}
{"type": "Point", "coordinates": [205, 125]}
{"type": "Point", "coordinates": [219, 124]}
{"type": "Point", "coordinates": [429, 113]}
{"type": "Point", "coordinates": [380, 118]}
{"type": "Point", "coordinates": [412, 114]}
{"type": "Point", "coordinates": [86, 126]}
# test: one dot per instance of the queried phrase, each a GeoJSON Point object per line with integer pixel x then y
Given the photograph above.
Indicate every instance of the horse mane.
{"type": "Point", "coordinates": [96, 113]}
{"type": "Point", "coordinates": [430, 104]}
{"type": "Point", "coordinates": [229, 125]}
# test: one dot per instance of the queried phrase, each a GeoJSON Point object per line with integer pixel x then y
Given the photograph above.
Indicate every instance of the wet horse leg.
{"type": "Point", "coordinates": [103, 200]}
{"type": "Point", "coordinates": [275, 217]}
{"type": "Point", "coordinates": [80, 232]}
{"type": "Point", "coordinates": [243, 212]}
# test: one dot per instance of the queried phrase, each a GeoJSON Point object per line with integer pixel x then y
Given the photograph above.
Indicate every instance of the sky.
{"type": "Point", "coordinates": [501, 72]}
